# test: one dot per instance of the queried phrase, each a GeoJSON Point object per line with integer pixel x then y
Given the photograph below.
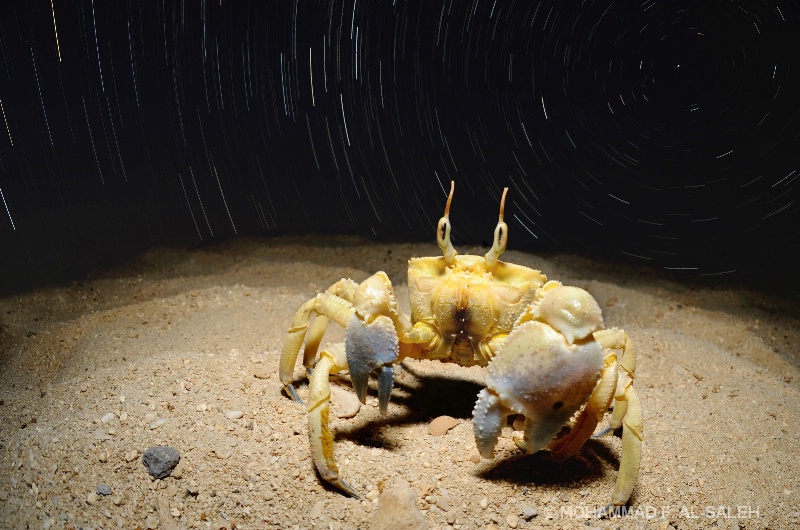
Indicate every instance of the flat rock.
{"type": "Point", "coordinates": [439, 426]}
{"type": "Point", "coordinates": [160, 460]}
{"type": "Point", "coordinates": [397, 509]}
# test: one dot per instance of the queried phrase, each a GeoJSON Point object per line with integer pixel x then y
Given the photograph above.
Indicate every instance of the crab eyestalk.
{"type": "Point", "coordinates": [443, 230]}
{"type": "Point", "coordinates": [500, 235]}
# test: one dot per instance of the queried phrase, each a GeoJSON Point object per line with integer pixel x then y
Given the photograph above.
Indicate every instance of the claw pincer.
{"type": "Point", "coordinates": [546, 370]}
{"type": "Point", "coordinates": [372, 348]}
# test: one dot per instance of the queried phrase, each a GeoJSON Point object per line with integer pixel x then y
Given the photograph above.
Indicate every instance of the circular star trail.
{"type": "Point", "coordinates": [663, 133]}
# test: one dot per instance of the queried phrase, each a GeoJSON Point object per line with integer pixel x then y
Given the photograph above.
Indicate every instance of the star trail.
{"type": "Point", "coordinates": [660, 133]}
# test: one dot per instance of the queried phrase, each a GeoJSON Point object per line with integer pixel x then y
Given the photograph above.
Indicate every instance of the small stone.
{"type": "Point", "coordinates": [316, 510]}
{"type": "Point", "coordinates": [475, 458]}
{"type": "Point", "coordinates": [234, 414]}
{"type": "Point", "coordinates": [443, 502]}
{"type": "Point", "coordinates": [103, 489]}
{"type": "Point", "coordinates": [123, 416]}
{"type": "Point", "coordinates": [442, 424]}
{"type": "Point", "coordinates": [3, 495]}
{"type": "Point", "coordinates": [424, 488]}
{"type": "Point", "coordinates": [397, 509]}
{"type": "Point", "coordinates": [101, 434]}
{"type": "Point", "coordinates": [345, 404]}
{"type": "Point", "coordinates": [156, 424]}
{"type": "Point", "coordinates": [103, 457]}
{"type": "Point", "coordinates": [484, 503]}
{"type": "Point", "coordinates": [108, 417]}
{"type": "Point", "coordinates": [512, 520]}
{"type": "Point", "coordinates": [528, 513]}
{"type": "Point", "coordinates": [119, 500]}
{"type": "Point", "coordinates": [151, 522]}
{"type": "Point", "coordinates": [178, 471]}
{"type": "Point", "coordinates": [202, 407]}
{"type": "Point", "coordinates": [160, 460]}
{"type": "Point", "coordinates": [131, 455]}
{"type": "Point", "coordinates": [91, 499]}
{"type": "Point", "coordinates": [373, 495]}
{"type": "Point", "coordinates": [261, 372]}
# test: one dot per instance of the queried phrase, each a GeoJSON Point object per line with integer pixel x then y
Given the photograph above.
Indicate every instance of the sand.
{"type": "Point", "coordinates": [181, 348]}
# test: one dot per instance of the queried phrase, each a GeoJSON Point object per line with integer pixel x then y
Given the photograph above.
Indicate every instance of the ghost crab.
{"type": "Point", "coordinates": [546, 354]}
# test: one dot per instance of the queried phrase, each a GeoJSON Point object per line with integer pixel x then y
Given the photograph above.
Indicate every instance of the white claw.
{"type": "Point", "coordinates": [488, 418]}
{"type": "Point", "coordinates": [539, 375]}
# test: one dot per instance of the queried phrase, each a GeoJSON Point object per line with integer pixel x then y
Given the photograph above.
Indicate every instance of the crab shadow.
{"type": "Point", "coordinates": [423, 397]}
{"type": "Point", "coordinates": [420, 400]}
{"type": "Point", "coordinates": [589, 464]}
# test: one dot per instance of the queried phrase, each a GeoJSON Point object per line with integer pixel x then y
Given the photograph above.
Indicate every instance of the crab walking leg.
{"type": "Point", "coordinates": [332, 360]}
{"type": "Point", "coordinates": [627, 413]}
{"type": "Point", "coordinates": [591, 414]}
{"type": "Point", "coordinates": [326, 304]}
{"type": "Point", "coordinates": [344, 288]}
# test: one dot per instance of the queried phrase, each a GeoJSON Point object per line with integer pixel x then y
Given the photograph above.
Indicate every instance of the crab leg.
{"type": "Point", "coordinates": [327, 305]}
{"type": "Point", "coordinates": [344, 288]}
{"type": "Point", "coordinates": [627, 413]}
{"type": "Point", "coordinates": [591, 414]}
{"type": "Point", "coordinates": [332, 360]}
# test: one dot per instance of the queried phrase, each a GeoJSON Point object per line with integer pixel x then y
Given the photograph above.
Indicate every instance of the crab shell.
{"type": "Point", "coordinates": [546, 370]}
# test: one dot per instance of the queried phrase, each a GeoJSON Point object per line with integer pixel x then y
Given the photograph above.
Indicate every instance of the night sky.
{"type": "Point", "coordinates": [663, 133]}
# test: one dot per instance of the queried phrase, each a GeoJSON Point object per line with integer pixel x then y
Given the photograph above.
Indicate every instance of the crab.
{"type": "Point", "coordinates": [546, 352]}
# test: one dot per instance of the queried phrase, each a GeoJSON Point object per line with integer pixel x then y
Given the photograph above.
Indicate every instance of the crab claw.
{"type": "Point", "coordinates": [372, 347]}
{"type": "Point", "coordinates": [538, 374]}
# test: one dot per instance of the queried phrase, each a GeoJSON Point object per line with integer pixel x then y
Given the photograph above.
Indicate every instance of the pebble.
{"type": "Point", "coordinates": [512, 520]}
{"type": "Point", "coordinates": [443, 502]}
{"type": "Point", "coordinates": [101, 434]}
{"type": "Point", "coordinates": [103, 489]}
{"type": "Point", "coordinates": [103, 457]}
{"type": "Point", "coordinates": [151, 522]}
{"type": "Point", "coordinates": [202, 407]}
{"type": "Point", "coordinates": [397, 509]}
{"type": "Point", "coordinates": [347, 403]}
{"type": "Point", "coordinates": [484, 503]}
{"type": "Point", "coordinates": [316, 510]}
{"type": "Point", "coordinates": [108, 417]}
{"type": "Point", "coordinates": [439, 426]}
{"type": "Point", "coordinates": [160, 460]}
{"type": "Point", "coordinates": [261, 373]}
{"type": "Point", "coordinates": [91, 498]}
{"type": "Point", "coordinates": [178, 471]}
{"type": "Point", "coordinates": [234, 414]}
{"type": "Point", "coordinates": [528, 513]}
{"type": "Point", "coordinates": [131, 455]}
{"type": "Point", "coordinates": [156, 424]}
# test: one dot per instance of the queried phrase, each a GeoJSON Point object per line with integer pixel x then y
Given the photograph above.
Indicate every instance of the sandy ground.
{"type": "Point", "coordinates": [157, 351]}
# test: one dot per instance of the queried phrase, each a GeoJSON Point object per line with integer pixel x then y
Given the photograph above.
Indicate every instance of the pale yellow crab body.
{"type": "Point", "coordinates": [459, 309]}
{"type": "Point", "coordinates": [546, 353]}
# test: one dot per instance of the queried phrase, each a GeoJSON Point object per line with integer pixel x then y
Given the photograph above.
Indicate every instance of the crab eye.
{"type": "Point", "coordinates": [501, 236]}
{"type": "Point", "coordinates": [443, 233]}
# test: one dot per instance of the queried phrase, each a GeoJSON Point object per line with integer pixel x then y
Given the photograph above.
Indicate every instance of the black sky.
{"type": "Point", "coordinates": [661, 133]}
